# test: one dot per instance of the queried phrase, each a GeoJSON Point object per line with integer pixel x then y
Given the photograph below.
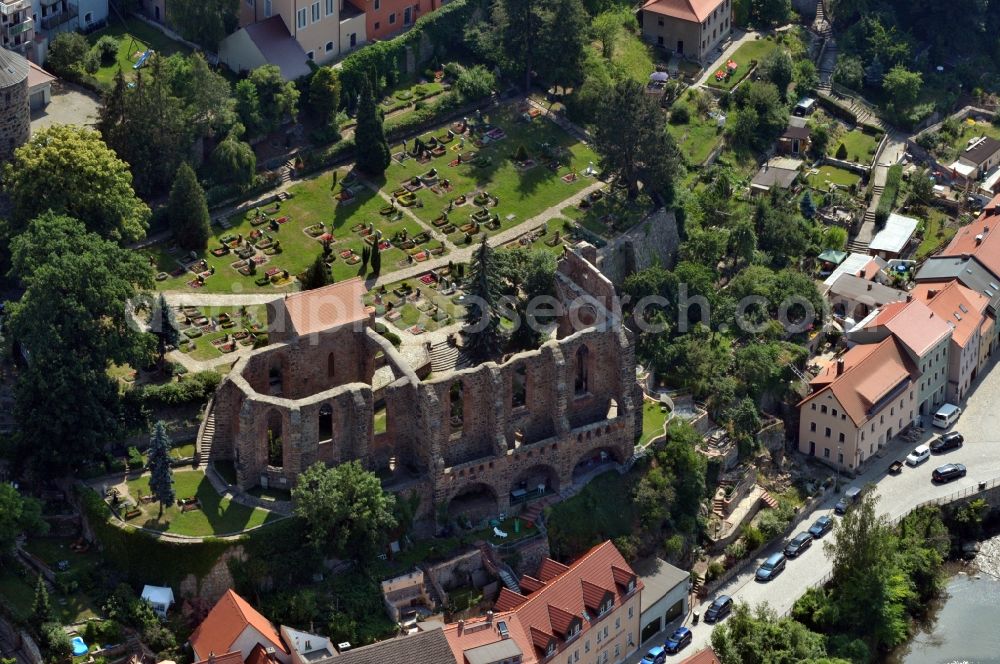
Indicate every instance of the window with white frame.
{"type": "Point", "coordinates": [315, 11]}
{"type": "Point", "coordinates": [300, 19]}
{"type": "Point", "coordinates": [329, 46]}
{"type": "Point", "coordinates": [378, 5]}
{"type": "Point", "coordinates": [330, 7]}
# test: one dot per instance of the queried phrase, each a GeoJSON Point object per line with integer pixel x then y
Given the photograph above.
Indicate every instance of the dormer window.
{"type": "Point", "coordinates": [574, 629]}
{"type": "Point", "coordinates": [606, 606]}
{"type": "Point", "coordinates": [631, 585]}
{"type": "Point", "coordinates": [550, 649]}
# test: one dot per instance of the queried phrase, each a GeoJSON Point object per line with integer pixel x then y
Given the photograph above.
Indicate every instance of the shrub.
{"type": "Point", "coordinates": [190, 389]}
{"type": "Point", "coordinates": [66, 51]}
{"type": "Point", "coordinates": [91, 62]}
{"type": "Point", "coordinates": [841, 152]}
{"type": "Point", "coordinates": [736, 551]}
{"type": "Point", "coordinates": [135, 459]}
{"type": "Point", "coordinates": [475, 83]}
{"type": "Point", "coordinates": [680, 115]}
{"type": "Point", "coordinates": [107, 48]}
{"type": "Point", "coordinates": [55, 641]}
{"type": "Point", "coordinates": [453, 70]}
{"type": "Point", "coordinates": [715, 570]}
{"type": "Point", "coordinates": [674, 547]}
{"type": "Point", "coordinates": [753, 538]}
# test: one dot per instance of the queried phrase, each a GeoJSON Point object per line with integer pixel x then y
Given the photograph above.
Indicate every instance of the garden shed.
{"type": "Point", "coordinates": [160, 597]}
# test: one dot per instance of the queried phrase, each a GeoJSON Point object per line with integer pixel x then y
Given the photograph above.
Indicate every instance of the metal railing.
{"type": "Point", "coordinates": [56, 20]}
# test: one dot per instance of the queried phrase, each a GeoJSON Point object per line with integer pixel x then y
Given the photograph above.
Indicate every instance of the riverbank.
{"type": "Point", "coordinates": [961, 625]}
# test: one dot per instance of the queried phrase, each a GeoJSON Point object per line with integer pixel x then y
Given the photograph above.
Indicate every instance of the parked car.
{"type": "Point", "coordinates": [948, 472]}
{"type": "Point", "coordinates": [919, 454]}
{"type": "Point", "coordinates": [799, 544]}
{"type": "Point", "coordinates": [949, 441]}
{"type": "Point", "coordinates": [656, 655]}
{"type": "Point", "coordinates": [719, 609]}
{"type": "Point", "coordinates": [821, 526]}
{"type": "Point", "coordinates": [771, 567]}
{"type": "Point", "coordinates": [850, 496]}
{"type": "Point", "coordinates": [946, 416]}
{"type": "Point", "coordinates": [679, 640]}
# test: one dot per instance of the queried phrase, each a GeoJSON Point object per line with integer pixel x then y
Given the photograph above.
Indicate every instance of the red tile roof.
{"type": "Point", "coordinates": [918, 326]}
{"type": "Point", "coordinates": [325, 308]}
{"type": "Point", "coordinates": [981, 238]}
{"type": "Point", "coordinates": [259, 655]}
{"type": "Point", "coordinates": [870, 373]}
{"type": "Point", "coordinates": [688, 10]}
{"type": "Point", "coordinates": [235, 657]}
{"type": "Point", "coordinates": [961, 307]}
{"type": "Point", "coordinates": [536, 620]}
{"type": "Point", "coordinates": [706, 656]}
{"type": "Point", "coordinates": [226, 621]}
{"type": "Point", "coordinates": [530, 583]}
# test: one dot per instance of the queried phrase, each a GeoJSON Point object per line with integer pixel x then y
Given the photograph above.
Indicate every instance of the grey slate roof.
{"type": "Point", "coordinates": [429, 647]}
{"type": "Point", "coordinates": [969, 271]}
{"type": "Point", "coordinates": [658, 578]}
{"type": "Point", "coordinates": [13, 68]}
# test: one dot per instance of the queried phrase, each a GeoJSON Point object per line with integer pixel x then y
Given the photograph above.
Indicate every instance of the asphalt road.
{"type": "Point", "coordinates": [979, 423]}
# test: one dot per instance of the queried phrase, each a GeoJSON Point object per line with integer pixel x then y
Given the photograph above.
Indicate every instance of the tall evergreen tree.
{"type": "Point", "coordinates": [482, 322]}
{"type": "Point", "coordinates": [188, 210]}
{"type": "Point", "coordinates": [164, 327]}
{"type": "Point", "coordinates": [369, 135]}
{"type": "Point", "coordinates": [316, 275]}
{"type": "Point", "coordinates": [161, 478]}
{"type": "Point", "coordinates": [807, 206]}
{"type": "Point", "coordinates": [41, 607]}
{"type": "Point", "coordinates": [376, 260]}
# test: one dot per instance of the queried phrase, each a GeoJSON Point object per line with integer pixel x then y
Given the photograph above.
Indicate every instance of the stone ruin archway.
{"type": "Point", "coordinates": [475, 502]}
{"type": "Point", "coordinates": [533, 482]}
{"type": "Point", "coordinates": [599, 458]}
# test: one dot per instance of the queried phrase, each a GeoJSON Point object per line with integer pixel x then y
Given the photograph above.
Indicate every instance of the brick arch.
{"type": "Point", "coordinates": [476, 500]}
{"type": "Point", "coordinates": [535, 474]}
{"type": "Point", "coordinates": [590, 457]}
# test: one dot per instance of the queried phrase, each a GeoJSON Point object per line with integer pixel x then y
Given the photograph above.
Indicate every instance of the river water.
{"type": "Point", "coordinates": [964, 626]}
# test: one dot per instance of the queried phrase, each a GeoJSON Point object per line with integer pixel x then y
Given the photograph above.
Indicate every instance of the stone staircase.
{"type": "Point", "coordinates": [533, 512]}
{"type": "Point", "coordinates": [508, 580]}
{"type": "Point", "coordinates": [446, 357]}
{"type": "Point", "coordinates": [858, 246]}
{"type": "Point", "coordinates": [203, 450]}
{"type": "Point", "coordinates": [718, 507]}
{"type": "Point", "coordinates": [286, 172]}
{"type": "Point", "coordinates": [501, 569]}
{"type": "Point", "coordinates": [769, 500]}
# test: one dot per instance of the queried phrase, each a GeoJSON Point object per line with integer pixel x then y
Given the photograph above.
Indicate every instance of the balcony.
{"type": "Point", "coordinates": [69, 14]}
{"type": "Point", "coordinates": [7, 8]}
{"type": "Point", "coordinates": [20, 28]}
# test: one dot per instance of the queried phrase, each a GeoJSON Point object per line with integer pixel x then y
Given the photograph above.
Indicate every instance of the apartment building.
{"type": "Point", "coordinates": [28, 26]}
{"type": "Point", "coordinates": [858, 403]}
{"type": "Point", "coordinates": [588, 611]}
{"type": "Point", "coordinates": [689, 28]}
{"type": "Point", "coordinates": [386, 18]}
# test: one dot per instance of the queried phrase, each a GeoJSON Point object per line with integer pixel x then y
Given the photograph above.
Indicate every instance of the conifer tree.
{"type": "Point", "coordinates": [161, 480]}
{"type": "Point", "coordinates": [317, 275]}
{"type": "Point", "coordinates": [369, 135]}
{"type": "Point", "coordinates": [188, 210]}
{"type": "Point", "coordinates": [376, 260]}
{"type": "Point", "coordinates": [482, 322]}
{"type": "Point", "coordinates": [41, 607]}
{"type": "Point", "coordinates": [164, 327]}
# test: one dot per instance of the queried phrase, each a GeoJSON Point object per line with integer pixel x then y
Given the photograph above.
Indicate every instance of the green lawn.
{"type": "Point", "coordinates": [522, 193]}
{"type": "Point", "coordinates": [134, 37]}
{"type": "Point", "coordinates": [938, 231]}
{"type": "Point", "coordinates": [312, 203]}
{"type": "Point", "coordinates": [827, 175]}
{"type": "Point", "coordinates": [431, 311]}
{"type": "Point", "coordinates": [752, 50]}
{"type": "Point", "coordinates": [698, 137]}
{"type": "Point", "coordinates": [604, 509]}
{"type": "Point", "coordinates": [217, 515]}
{"type": "Point", "coordinates": [860, 146]}
{"type": "Point", "coordinates": [19, 593]}
{"type": "Point", "coordinates": [610, 213]}
{"type": "Point", "coordinates": [968, 131]}
{"type": "Point", "coordinates": [652, 421]}
{"type": "Point", "coordinates": [635, 57]}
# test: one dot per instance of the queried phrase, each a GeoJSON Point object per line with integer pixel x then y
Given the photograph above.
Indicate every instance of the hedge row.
{"type": "Point", "coordinates": [190, 389]}
{"type": "Point", "coordinates": [889, 194]}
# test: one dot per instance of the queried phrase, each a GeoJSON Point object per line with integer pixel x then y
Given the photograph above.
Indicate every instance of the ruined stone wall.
{"type": "Point", "coordinates": [15, 118]}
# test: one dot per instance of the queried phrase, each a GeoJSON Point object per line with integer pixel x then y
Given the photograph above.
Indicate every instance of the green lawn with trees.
{"type": "Point", "coordinates": [827, 175]}
{"type": "Point", "coordinates": [859, 146]}
{"type": "Point", "coordinates": [133, 39]}
{"type": "Point", "coordinates": [748, 53]}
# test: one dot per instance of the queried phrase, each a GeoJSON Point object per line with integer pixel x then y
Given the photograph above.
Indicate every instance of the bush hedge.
{"type": "Point", "coordinates": [889, 194]}
{"type": "Point", "coordinates": [189, 389]}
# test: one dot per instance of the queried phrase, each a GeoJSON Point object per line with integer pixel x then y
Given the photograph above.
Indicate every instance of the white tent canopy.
{"type": "Point", "coordinates": [659, 76]}
{"type": "Point", "coordinates": [160, 597]}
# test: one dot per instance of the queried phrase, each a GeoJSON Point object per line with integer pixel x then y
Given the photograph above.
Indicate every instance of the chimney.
{"type": "Point", "coordinates": [909, 297]}
{"type": "Point", "coordinates": [869, 285]}
{"type": "Point", "coordinates": [979, 239]}
{"type": "Point", "coordinates": [932, 293]}
{"type": "Point", "coordinates": [986, 229]}
{"type": "Point", "coordinates": [489, 616]}
{"type": "Point", "coordinates": [840, 366]}
{"type": "Point", "coordinates": [461, 627]}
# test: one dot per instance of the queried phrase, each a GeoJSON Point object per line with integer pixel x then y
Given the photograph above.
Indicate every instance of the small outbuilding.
{"type": "Point", "coordinates": [160, 597]}
{"type": "Point", "coordinates": [664, 596]}
{"type": "Point", "coordinates": [891, 241]}
{"type": "Point", "coordinates": [805, 107]}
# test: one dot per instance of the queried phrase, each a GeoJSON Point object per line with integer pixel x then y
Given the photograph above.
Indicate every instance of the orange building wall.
{"type": "Point", "coordinates": [377, 23]}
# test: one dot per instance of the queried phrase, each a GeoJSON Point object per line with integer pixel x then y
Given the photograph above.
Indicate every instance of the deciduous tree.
{"type": "Point", "coordinates": [70, 170]}
{"type": "Point", "coordinates": [345, 509]}
{"type": "Point", "coordinates": [18, 514]}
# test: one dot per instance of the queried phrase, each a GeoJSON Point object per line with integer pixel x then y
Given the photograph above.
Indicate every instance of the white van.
{"type": "Point", "coordinates": [946, 416]}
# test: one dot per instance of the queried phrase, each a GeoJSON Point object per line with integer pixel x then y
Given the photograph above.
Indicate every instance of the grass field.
{"type": "Point", "coordinates": [698, 137]}
{"type": "Point", "coordinates": [967, 132]}
{"type": "Point", "coordinates": [604, 509]}
{"type": "Point", "coordinates": [19, 593]}
{"type": "Point", "coordinates": [828, 175]}
{"type": "Point", "coordinates": [134, 37]}
{"type": "Point", "coordinates": [652, 422]}
{"type": "Point", "coordinates": [752, 50]}
{"type": "Point", "coordinates": [938, 231]}
{"type": "Point", "coordinates": [635, 57]}
{"type": "Point", "coordinates": [860, 146]}
{"type": "Point", "coordinates": [217, 515]}
{"type": "Point", "coordinates": [201, 347]}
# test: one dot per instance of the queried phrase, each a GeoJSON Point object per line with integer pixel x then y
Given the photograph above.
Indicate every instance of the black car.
{"type": "Point", "coordinates": [949, 441]}
{"type": "Point", "coordinates": [679, 640]}
{"type": "Point", "coordinates": [948, 472]}
{"type": "Point", "coordinates": [821, 526]}
{"type": "Point", "coordinates": [799, 543]}
{"type": "Point", "coordinates": [719, 609]}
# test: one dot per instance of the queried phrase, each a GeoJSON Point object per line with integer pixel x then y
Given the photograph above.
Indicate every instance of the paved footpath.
{"type": "Point", "coordinates": [980, 423]}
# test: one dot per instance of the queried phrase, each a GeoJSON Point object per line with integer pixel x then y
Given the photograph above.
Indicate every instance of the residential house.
{"type": "Point", "coordinates": [424, 647]}
{"type": "Point", "coordinates": [28, 26]}
{"type": "Point", "coordinates": [689, 28]}
{"type": "Point", "coordinates": [980, 156]}
{"type": "Point", "coordinates": [385, 18]}
{"type": "Point", "coordinates": [858, 403]}
{"type": "Point", "coordinates": [777, 172]}
{"type": "Point", "coordinates": [860, 265]}
{"type": "Point", "coordinates": [965, 311]}
{"type": "Point", "coordinates": [925, 334]}
{"type": "Point", "coordinates": [892, 240]}
{"type": "Point", "coordinates": [796, 139]}
{"type": "Point", "coordinates": [664, 596]}
{"type": "Point", "coordinates": [306, 648]}
{"type": "Point", "coordinates": [321, 31]}
{"type": "Point", "coordinates": [234, 626]}
{"type": "Point", "coordinates": [589, 610]}
{"type": "Point", "coordinates": [853, 298]}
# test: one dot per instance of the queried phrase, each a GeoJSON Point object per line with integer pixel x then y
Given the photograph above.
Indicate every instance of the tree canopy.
{"type": "Point", "coordinates": [373, 154]}
{"type": "Point", "coordinates": [161, 474]}
{"type": "Point", "coordinates": [70, 170]}
{"type": "Point", "coordinates": [18, 514]}
{"type": "Point", "coordinates": [483, 338]}
{"type": "Point", "coordinates": [542, 37]}
{"type": "Point", "coordinates": [345, 509]}
{"type": "Point", "coordinates": [205, 22]}
{"type": "Point", "coordinates": [187, 210]}
{"type": "Point", "coordinates": [73, 320]}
